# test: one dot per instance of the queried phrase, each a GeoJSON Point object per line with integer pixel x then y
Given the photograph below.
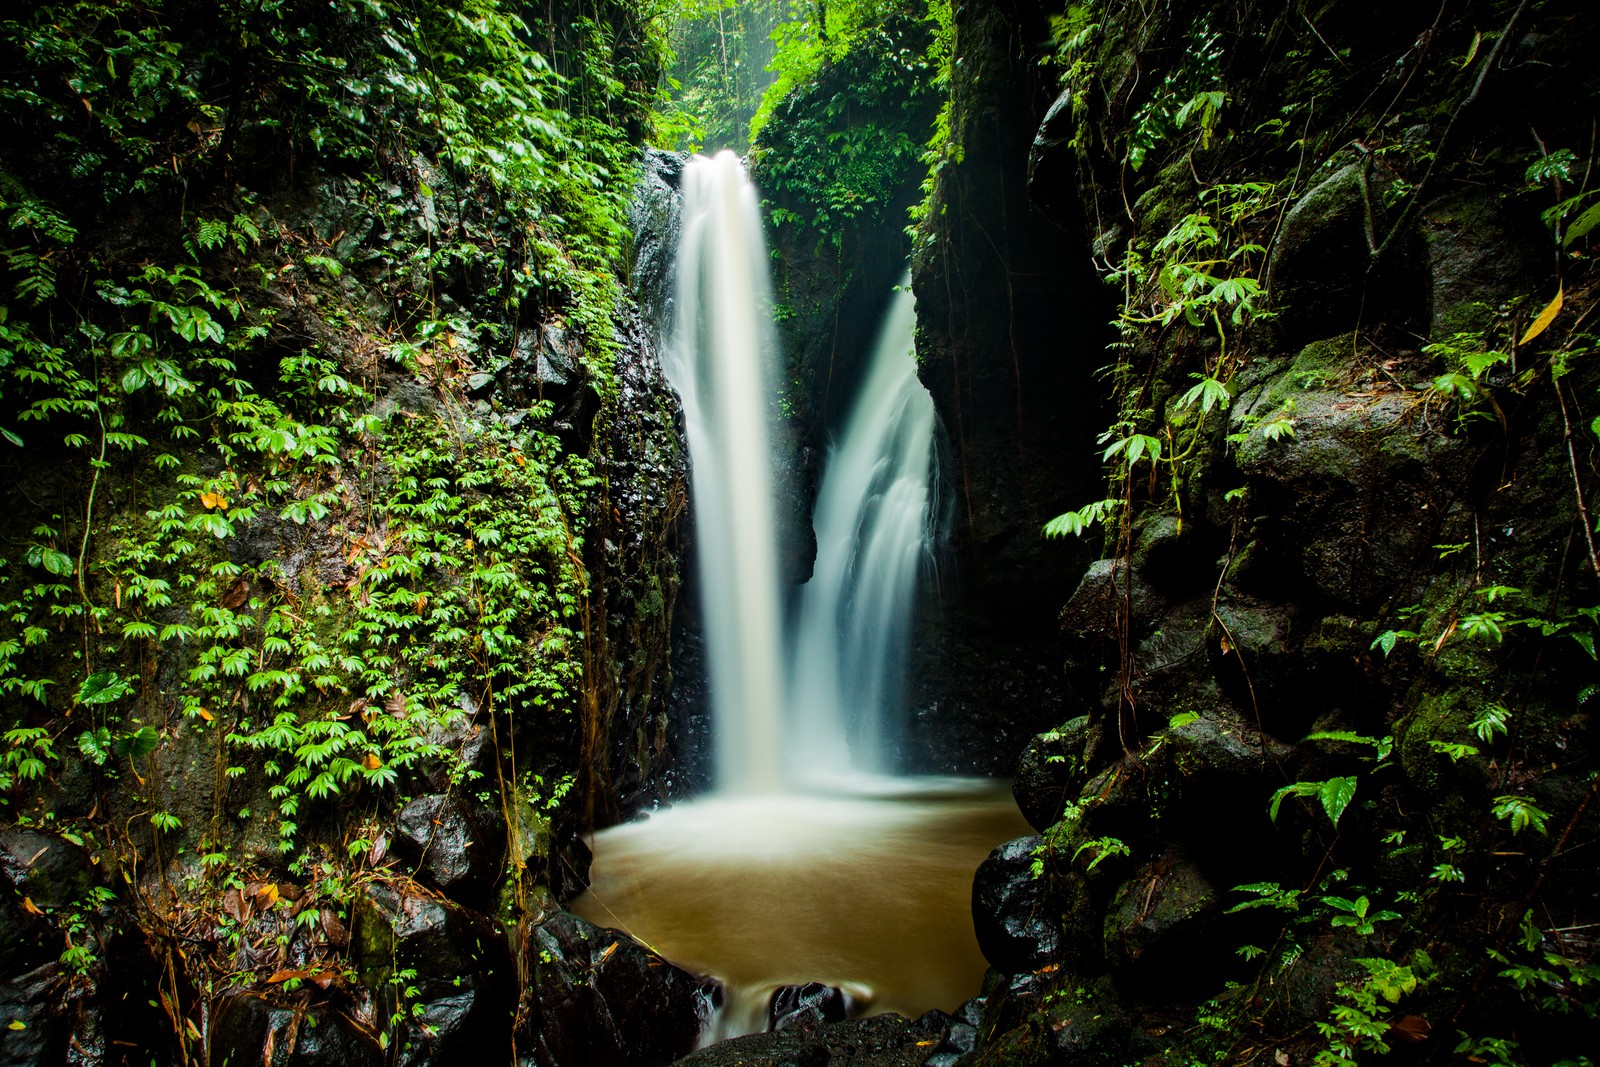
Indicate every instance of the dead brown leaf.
{"type": "Point", "coordinates": [237, 594]}
{"type": "Point", "coordinates": [1412, 1029]}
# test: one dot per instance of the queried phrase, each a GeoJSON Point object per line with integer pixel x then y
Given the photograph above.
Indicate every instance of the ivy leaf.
{"type": "Point", "coordinates": [95, 745]}
{"type": "Point", "coordinates": [138, 744]}
{"type": "Point", "coordinates": [103, 687]}
{"type": "Point", "coordinates": [1336, 794]}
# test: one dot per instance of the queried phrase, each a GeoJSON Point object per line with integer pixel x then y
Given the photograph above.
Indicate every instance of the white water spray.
{"type": "Point", "coordinates": [873, 537]}
{"type": "Point", "coordinates": [719, 361]}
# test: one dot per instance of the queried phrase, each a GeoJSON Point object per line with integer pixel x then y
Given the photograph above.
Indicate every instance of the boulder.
{"type": "Point", "coordinates": [1483, 250]}
{"type": "Point", "coordinates": [807, 1005]}
{"type": "Point", "coordinates": [878, 1041]}
{"type": "Point", "coordinates": [1110, 594]}
{"type": "Point", "coordinates": [1010, 910]}
{"type": "Point", "coordinates": [596, 998]}
{"type": "Point", "coordinates": [1318, 273]}
{"type": "Point", "coordinates": [49, 870]}
{"type": "Point", "coordinates": [450, 844]}
{"type": "Point", "coordinates": [1089, 1026]}
{"type": "Point", "coordinates": [1053, 769]}
{"type": "Point", "coordinates": [1160, 925]}
{"type": "Point", "coordinates": [460, 990]}
{"type": "Point", "coordinates": [1357, 495]}
{"type": "Point", "coordinates": [251, 1029]}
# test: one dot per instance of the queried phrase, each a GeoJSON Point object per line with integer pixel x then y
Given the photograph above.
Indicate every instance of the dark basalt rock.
{"type": "Point", "coordinates": [1053, 169]}
{"type": "Point", "coordinates": [54, 1015]}
{"type": "Point", "coordinates": [251, 1029]}
{"type": "Point", "coordinates": [1110, 592]}
{"type": "Point", "coordinates": [464, 980]}
{"type": "Point", "coordinates": [1010, 911]}
{"type": "Point", "coordinates": [1090, 1028]}
{"type": "Point", "coordinates": [48, 870]}
{"type": "Point", "coordinates": [596, 998]}
{"type": "Point", "coordinates": [1160, 925]}
{"type": "Point", "coordinates": [1318, 276]}
{"type": "Point", "coordinates": [878, 1041]}
{"type": "Point", "coordinates": [1053, 770]}
{"type": "Point", "coordinates": [808, 1004]}
{"type": "Point", "coordinates": [451, 844]}
{"type": "Point", "coordinates": [1482, 251]}
{"type": "Point", "coordinates": [955, 1035]}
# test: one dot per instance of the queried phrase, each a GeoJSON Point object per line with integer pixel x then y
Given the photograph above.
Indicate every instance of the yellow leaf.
{"type": "Point", "coordinates": [30, 907]}
{"type": "Point", "coordinates": [206, 715]}
{"type": "Point", "coordinates": [16, 1025]}
{"type": "Point", "coordinates": [371, 761]}
{"type": "Point", "coordinates": [1546, 317]}
{"type": "Point", "coordinates": [213, 500]}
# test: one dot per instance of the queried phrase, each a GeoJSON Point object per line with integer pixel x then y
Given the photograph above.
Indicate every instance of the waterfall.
{"type": "Point", "coordinates": [863, 884]}
{"type": "Point", "coordinates": [873, 535]}
{"type": "Point", "coordinates": [719, 361]}
{"type": "Point", "coordinates": [820, 711]}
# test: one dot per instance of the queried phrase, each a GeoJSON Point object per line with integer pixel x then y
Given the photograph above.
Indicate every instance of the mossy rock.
{"type": "Point", "coordinates": [1162, 924]}
{"type": "Point", "coordinates": [1457, 787]}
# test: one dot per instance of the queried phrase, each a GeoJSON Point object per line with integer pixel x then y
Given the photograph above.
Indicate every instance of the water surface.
{"type": "Point", "coordinates": [868, 890]}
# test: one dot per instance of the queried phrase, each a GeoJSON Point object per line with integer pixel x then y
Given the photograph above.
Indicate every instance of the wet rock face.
{"type": "Point", "coordinates": [598, 999]}
{"type": "Point", "coordinates": [1160, 920]}
{"type": "Point", "coordinates": [806, 1005]}
{"type": "Point", "coordinates": [653, 218]}
{"type": "Point", "coordinates": [1007, 335]}
{"type": "Point", "coordinates": [1010, 910]}
{"type": "Point", "coordinates": [462, 976]}
{"type": "Point", "coordinates": [38, 873]}
{"type": "Point", "coordinates": [1319, 274]}
{"type": "Point", "coordinates": [878, 1041]}
{"type": "Point", "coordinates": [1053, 769]}
{"type": "Point", "coordinates": [639, 751]}
{"type": "Point", "coordinates": [60, 1022]}
{"type": "Point", "coordinates": [997, 346]}
{"type": "Point", "coordinates": [249, 1028]}
{"type": "Point", "coordinates": [452, 844]}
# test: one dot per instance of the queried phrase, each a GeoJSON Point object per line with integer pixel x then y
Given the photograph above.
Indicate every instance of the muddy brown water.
{"type": "Point", "coordinates": [868, 890]}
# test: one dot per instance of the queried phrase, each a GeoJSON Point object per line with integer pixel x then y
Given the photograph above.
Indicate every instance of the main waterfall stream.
{"type": "Point", "coordinates": [808, 863]}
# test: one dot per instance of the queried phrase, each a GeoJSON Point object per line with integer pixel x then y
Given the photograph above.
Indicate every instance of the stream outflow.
{"type": "Point", "coordinates": [807, 863]}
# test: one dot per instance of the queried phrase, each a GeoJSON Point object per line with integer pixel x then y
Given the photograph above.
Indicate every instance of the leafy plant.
{"type": "Point", "coordinates": [1334, 795]}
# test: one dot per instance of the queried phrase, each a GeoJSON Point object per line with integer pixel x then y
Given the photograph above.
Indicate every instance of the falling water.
{"type": "Point", "coordinates": [719, 360]}
{"type": "Point", "coordinates": [873, 535]}
{"type": "Point", "coordinates": [865, 884]}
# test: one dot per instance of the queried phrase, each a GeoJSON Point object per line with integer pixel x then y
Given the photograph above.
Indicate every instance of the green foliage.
{"type": "Point", "coordinates": [1334, 795]}
{"type": "Point", "coordinates": [1076, 522]}
{"type": "Point", "coordinates": [1358, 914]}
{"type": "Point", "coordinates": [1520, 813]}
{"type": "Point", "coordinates": [487, 166]}
{"type": "Point", "coordinates": [1188, 93]}
{"type": "Point", "coordinates": [841, 157]}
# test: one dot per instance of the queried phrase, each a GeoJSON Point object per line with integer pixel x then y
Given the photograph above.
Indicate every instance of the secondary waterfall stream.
{"type": "Point", "coordinates": [808, 863]}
